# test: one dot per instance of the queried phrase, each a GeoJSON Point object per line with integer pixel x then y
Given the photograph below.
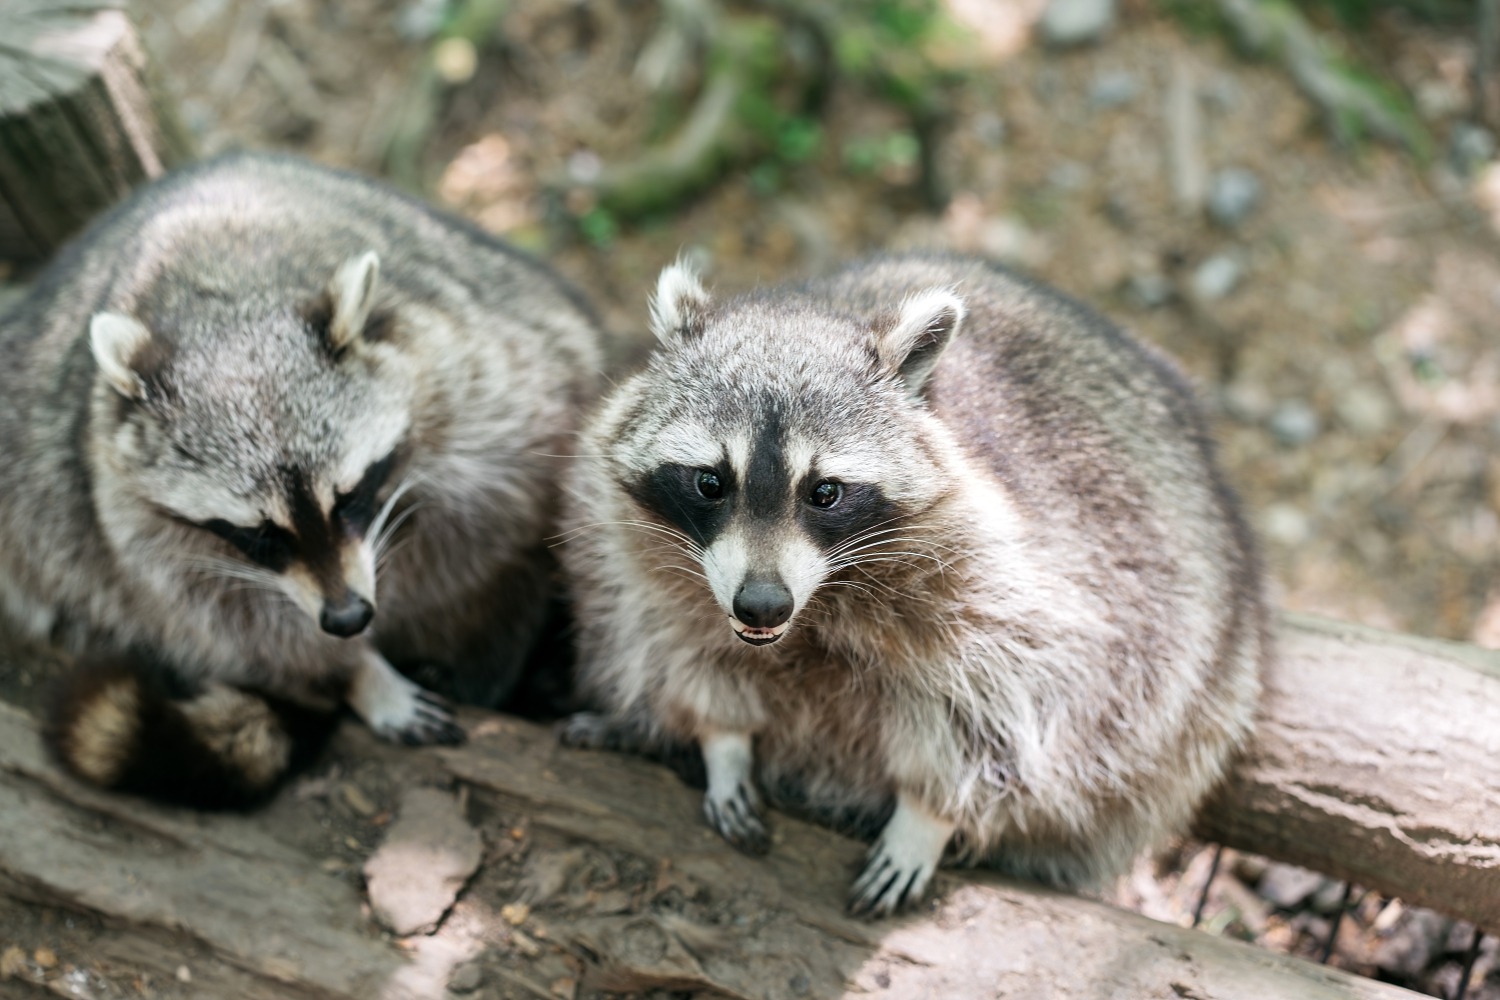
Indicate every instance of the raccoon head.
{"type": "Point", "coordinates": [262, 433]}
{"type": "Point", "coordinates": [788, 444]}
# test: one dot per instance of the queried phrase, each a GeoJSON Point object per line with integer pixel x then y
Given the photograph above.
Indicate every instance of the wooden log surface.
{"type": "Point", "coordinates": [1377, 759]}
{"type": "Point", "coordinates": [258, 917]}
{"type": "Point", "coordinates": [597, 872]}
{"type": "Point", "coordinates": [82, 120]}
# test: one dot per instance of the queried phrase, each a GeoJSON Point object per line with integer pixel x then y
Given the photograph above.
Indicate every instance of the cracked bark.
{"type": "Point", "coordinates": [1374, 761]}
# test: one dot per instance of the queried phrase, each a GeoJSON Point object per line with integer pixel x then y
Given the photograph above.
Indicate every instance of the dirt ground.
{"type": "Point", "coordinates": [1343, 332]}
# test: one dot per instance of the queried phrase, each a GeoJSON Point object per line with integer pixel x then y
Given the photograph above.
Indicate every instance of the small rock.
{"type": "Point", "coordinates": [1470, 147]}
{"type": "Point", "coordinates": [1294, 423]}
{"type": "Point", "coordinates": [1069, 175]}
{"type": "Point", "coordinates": [1329, 898]}
{"type": "Point", "coordinates": [45, 957]}
{"type": "Point", "coordinates": [1150, 290]}
{"type": "Point", "coordinates": [1365, 410]}
{"type": "Point", "coordinates": [1216, 277]}
{"type": "Point", "coordinates": [515, 914]}
{"type": "Point", "coordinates": [1113, 88]}
{"type": "Point", "coordinates": [1413, 943]}
{"type": "Point", "coordinates": [800, 984]}
{"type": "Point", "coordinates": [1286, 886]}
{"type": "Point", "coordinates": [1076, 22]}
{"type": "Point", "coordinates": [184, 974]}
{"type": "Point", "coordinates": [1248, 402]}
{"type": "Point", "coordinates": [466, 978]}
{"type": "Point", "coordinates": [1285, 525]}
{"type": "Point", "coordinates": [12, 962]}
{"type": "Point", "coordinates": [429, 852]}
{"type": "Point", "coordinates": [564, 988]}
{"type": "Point", "coordinates": [1233, 193]}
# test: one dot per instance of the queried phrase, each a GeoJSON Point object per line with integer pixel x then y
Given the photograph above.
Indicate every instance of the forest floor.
{"type": "Point", "coordinates": [1342, 321]}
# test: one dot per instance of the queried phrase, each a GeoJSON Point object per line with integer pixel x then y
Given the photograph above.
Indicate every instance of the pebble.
{"type": "Point", "coordinates": [1295, 423]}
{"type": "Point", "coordinates": [1216, 277]}
{"type": "Point", "coordinates": [1113, 88]}
{"type": "Point", "coordinates": [1233, 193]}
{"type": "Point", "coordinates": [1150, 289]}
{"type": "Point", "coordinates": [1287, 526]}
{"type": "Point", "coordinates": [1470, 147]}
{"type": "Point", "coordinates": [1069, 175]}
{"type": "Point", "coordinates": [1365, 410]}
{"type": "Point", "coordinates": [466, 978]}
{"type": "Point", "coordinates": [1286, 886]}
{"type": "Point", "coordinates": [1248, 402]}
{"type": "Point", "coordinates": [1076, 22]}
{"type": "Point", "coordinates": [1418, 937]}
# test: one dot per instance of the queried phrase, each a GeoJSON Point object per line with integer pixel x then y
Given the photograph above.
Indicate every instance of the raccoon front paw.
{"type": "Point", "coordinates": [889, 882]}
{"type": "Point", "coordinates": [901, 863]}
{"type": "Point", "coordinates": [739, 818]}
{"type": "Point", "coordinates": [593, 731]}
{"type": "Point", "coordinates": [397, 710]}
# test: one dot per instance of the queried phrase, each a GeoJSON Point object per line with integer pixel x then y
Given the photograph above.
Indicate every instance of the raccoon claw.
{"type": "Point", "coordinates": [739, 819]}
{"type": "Point", "coordinates": [433, 723]}
{"type": "Point", "coordinates": [889, 882]}
{"type": "Point", "coordinates": [400, 711]}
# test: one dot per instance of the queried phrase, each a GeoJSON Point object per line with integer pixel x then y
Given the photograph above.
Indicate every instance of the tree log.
{"type": "Point", "coordinates": [1376, 759]}
{"type": "Point", "coordinates": [598, 875]}
{"type": "Point", "coordinates": [82, 121]}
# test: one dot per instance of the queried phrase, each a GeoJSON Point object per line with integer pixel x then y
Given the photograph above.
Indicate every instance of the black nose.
{"type": "Point", "coordinates": [347, 616]}
{"type": "Point", "coordinates": [763, 603]}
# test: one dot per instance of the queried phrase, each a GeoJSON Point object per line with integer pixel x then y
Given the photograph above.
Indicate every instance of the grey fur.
{"type": "Point", "coordinates": [299, 318]}
{"type": "Point", "coordinates": [1052, 647]}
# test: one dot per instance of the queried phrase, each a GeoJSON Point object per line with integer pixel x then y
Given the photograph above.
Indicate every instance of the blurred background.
{"type": "Point", "coordinates": [1299, 201]}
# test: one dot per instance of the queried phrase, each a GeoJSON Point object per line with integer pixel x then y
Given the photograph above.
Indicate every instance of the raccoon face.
{"type": "Point", "coordinates": [265, 439]}
{"type": "Point", "coordinates": [784, 445]}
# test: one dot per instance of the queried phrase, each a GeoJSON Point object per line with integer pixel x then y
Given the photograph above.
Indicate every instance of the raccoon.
{"type": "Point", "coordinates": [924, 548]}
{"type": "Point", "coordinates": [275, 434]}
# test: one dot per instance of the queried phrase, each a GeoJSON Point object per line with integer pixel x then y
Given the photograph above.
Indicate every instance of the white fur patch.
{"type": "Point", "coordinates": [802, 567]}
{"type": "Point", "coordinates": [902, 861]}
{"type": "Point", "coordinates": [725, 564]}
{"type": "Point", "coordinates": [678, 302]}
{"type": "Point", "coordinates": [115, 340]}
{"type": "Point", "coordinates": [688, 444]}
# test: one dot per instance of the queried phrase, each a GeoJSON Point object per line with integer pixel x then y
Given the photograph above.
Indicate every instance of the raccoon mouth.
{"type": "Point", "coordinates": [757, 636]}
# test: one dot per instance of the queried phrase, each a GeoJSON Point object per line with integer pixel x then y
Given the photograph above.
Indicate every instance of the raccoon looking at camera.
{"type": "Point", "coordinates": [924, 547]}
{"type": "Point", "coordinates": [270, 430]}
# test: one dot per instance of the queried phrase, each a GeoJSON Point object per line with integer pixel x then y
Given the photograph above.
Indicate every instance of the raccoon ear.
{"type": "Point", "coordinates": [911, 346]}
{"type": "Point", "coordinates": [117, 340]}
{"type": "Point", "coordinates": [679, 305]}
{"type": "Point", "coordinates": [351, 295]}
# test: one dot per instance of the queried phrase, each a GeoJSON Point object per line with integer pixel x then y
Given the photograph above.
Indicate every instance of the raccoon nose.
{"type": "Point", "coordinates": [347, 616]}
{"type": "Point", "coordinates": [763, 603]}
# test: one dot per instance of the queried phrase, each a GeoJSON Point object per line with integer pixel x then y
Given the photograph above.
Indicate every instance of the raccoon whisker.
{"type": "Point", "coordinates": [869, 534]}
{"type": "Point", "coordinates": [690, 546]}
{"type": "Point", "coordinates": [877, 548]}
{"type": "Point", "coordinates": [383, 538]}
{"type": "Point", "coordinates": [377, 526]}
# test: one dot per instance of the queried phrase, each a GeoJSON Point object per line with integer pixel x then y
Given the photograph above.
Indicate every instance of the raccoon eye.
{"type": "Point", "coordinates": [268, 544]}
{"type": "Point", "coordinates": [356, 509]}
{"type": "Point", "coordinates": [826, 494]}
{"type": "Point", "coordinates": [709, 486]}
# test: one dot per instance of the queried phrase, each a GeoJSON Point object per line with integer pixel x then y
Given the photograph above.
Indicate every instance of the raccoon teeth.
{"type": "Point", "coordinates": [757, 635]}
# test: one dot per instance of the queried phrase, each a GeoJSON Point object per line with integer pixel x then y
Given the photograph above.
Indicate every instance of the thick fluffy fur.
{"type": "Point", "coordinates": [257, 402]}
{"type": "Point", "coordinates": [1029, 627]}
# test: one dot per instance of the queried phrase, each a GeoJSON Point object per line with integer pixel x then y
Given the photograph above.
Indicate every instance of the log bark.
{"type": "Point", "coordinates": [1374, 761]}
{"type": "Point", "coordinates": [82, 120]}
{"type": "Point", "coordinates": [1377, 759]}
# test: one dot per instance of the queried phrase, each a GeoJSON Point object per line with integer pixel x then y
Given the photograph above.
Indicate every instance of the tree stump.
{"type": "Point", "coordinates": [82, 121]}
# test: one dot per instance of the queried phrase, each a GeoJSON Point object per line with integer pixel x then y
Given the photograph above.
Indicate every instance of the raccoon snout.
{"type": "Point", "coordinates": [346, 617]}
{"type": "Point", "coordinates": [761, 607]}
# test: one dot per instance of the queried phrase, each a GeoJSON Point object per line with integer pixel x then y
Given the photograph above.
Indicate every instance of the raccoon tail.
{"type": "Point", "coordinates": [114, 724]}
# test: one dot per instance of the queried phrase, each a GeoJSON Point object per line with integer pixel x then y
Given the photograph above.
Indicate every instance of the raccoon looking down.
{"type": "Point", "coordinates": [271, 431]}
{"type": "Point", "coordinates": [920, 547]}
